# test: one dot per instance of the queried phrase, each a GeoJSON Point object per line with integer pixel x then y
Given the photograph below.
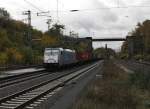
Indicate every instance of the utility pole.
{"type": "Point", "coordinates": [106, 51]}
{"type": "Point", "coordinates": [48, 23]}
{"type": "Point", "coordinates": [29, 36]}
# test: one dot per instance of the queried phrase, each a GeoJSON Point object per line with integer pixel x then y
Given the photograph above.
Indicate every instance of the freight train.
{"type": "Point", "coordinates": [59, 57]}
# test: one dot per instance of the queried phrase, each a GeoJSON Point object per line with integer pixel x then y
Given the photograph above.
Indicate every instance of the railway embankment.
{"type": "Point", "coordinates": [115, 89]}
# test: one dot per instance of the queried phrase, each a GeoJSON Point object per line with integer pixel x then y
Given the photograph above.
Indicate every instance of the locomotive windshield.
{"type": "Point", "coordinates": [52, 52]}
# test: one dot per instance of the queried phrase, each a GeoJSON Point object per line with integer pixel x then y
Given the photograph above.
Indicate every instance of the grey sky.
{"type": "Point", "coordinates": [97, 18]}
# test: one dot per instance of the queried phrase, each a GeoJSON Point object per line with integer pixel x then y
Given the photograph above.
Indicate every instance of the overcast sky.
{"type": "Point", "coordinates": [96, 18]}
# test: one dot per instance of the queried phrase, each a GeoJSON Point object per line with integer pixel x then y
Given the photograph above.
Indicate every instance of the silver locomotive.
{"type": "Point", "coordinates": [58, 57]}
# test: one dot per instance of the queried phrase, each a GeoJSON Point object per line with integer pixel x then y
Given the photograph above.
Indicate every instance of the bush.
{"type": "Point", "coordinates": [110, 92]}
{"type": "Point", "coordinates": [147, 58]}
{"type": "Point", "coordinates": [14, 55]}
{"type": "Point", "coordinates": [140, 80]}
{"type": "Point", "coordinates": [3, 59]}
{"type": "Point", "coordinates": [124, 56]}
{"type": "Point", "coordinates": [138, 57]}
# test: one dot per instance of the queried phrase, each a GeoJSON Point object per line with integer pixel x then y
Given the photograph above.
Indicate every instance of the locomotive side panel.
{"type": "Point", "coordinates": [68, 57]}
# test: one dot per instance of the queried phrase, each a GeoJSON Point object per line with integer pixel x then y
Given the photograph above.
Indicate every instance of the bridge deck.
{"type": "Point", "coordinates": [109, 39]}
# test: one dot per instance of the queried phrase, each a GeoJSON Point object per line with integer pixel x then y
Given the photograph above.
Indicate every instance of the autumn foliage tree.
{"type": "Point", "coordinates": [48, 41]}
{"type": "Point", "coordinates": [14, 43]}
{"type": "Point", "coordinates": [141, 41]}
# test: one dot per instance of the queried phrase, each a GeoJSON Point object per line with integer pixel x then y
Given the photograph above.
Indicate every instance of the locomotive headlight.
{"type": "Point", "coordinates": [51, 61]}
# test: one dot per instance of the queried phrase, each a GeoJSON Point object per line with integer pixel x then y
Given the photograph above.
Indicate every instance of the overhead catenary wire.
{"type": "Point", "coordinates": [94, 9]}
{"type": "Point", "coordinates": [115, 7]}
{"type": "Point", "coordinates": [104, 8]}
{"type": "Point", "coordinates": [41, 13]}
{"type": "Point", "coordinates": [34, 6]}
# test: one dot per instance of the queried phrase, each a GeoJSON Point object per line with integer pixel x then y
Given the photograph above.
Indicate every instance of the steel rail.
{"type": "Point", "coordinates": [51, 84]}
{"type": "Point", "coordinates": [22, 79]}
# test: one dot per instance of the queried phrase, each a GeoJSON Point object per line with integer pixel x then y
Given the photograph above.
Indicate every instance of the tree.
{"type": "Point", "coordinates": [14, 55]}
{"type": "Point", "coordinates": [48, 41]}
{"type": "Point", "coordinates": [28, 55]}
{"type": "Point", "coordinates": [56, 30]}
{"type": "Point", "coordinates": [103, 52]}
{"type": "Point", "coordinates": [4, 40]}
{"type": "Point", "coordinates": [143, 33]}
{"type": "Point", "coordinates": [3, 59]}
{"type": "Point", "coordinates": [141, 40]}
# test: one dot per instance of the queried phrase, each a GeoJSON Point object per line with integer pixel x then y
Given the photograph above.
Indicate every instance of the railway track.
{"type": "Point", "coordinates": [11, 80]}
{"type": "Point", "coordinates": [5, 82]}
{"type": "Point", "coordinates": [26, 84]}
{"type": "Point", "coordinates": [30, 98]}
